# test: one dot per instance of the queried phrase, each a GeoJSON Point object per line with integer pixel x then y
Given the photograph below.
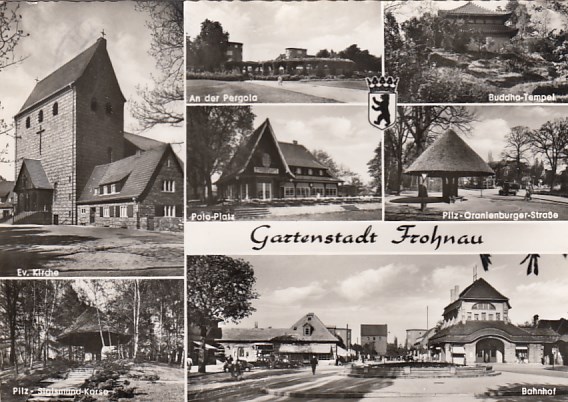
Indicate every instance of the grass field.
{"type": "Point", "coordinates": [202, 88]}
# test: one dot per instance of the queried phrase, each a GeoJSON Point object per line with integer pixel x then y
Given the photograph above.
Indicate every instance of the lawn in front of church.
{"type": "Point", "coordinates": [89, 251]}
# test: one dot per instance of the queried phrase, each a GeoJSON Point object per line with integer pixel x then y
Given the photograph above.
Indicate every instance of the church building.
{"type": "Point", "coordinates": [264, 168]}
{"type": "Point", "coordinates": [488, 24]}
{"type": "Point", "coordinates": [477, 329]}
{"type": "Point", "coordinates": [70, 133]}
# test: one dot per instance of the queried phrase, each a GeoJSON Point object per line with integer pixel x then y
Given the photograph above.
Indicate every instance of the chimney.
{"type": "Point", "coordinates": [535, 320]}
{"type": "Point", "coordinates": [456, 292]}
{"type": "Point", "coordinates": [295, 142]}
{"type": "Point", "coordinates": [256, 324]}
{"type": "Point", "coordinates": [452, 295]}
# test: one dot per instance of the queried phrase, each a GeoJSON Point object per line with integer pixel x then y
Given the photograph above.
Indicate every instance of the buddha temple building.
{"type": "Point", "coordinates": [490, 25]}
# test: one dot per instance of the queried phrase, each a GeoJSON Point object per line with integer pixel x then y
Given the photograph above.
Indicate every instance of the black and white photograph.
{"type": "Point", "coordinates": [512, 51]}
{"type": "Point", "coordinates": [267, 162]}
{"type": "Point", "coordinates": [92, 340]}
{"type": "Point", "coordinates": [281, 52]}
{"type": "Point", "coordinates": [466, 163]}
{"type": "Point", "coordinates": [417, 328]}
{"type": "Point", "coordinates": [92, 160]}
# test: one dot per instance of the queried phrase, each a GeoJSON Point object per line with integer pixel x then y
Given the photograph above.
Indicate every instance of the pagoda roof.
{"type": "Point", "coordinates": [449, 156]}
{"type": "Point", "coordinates": [472, 9]}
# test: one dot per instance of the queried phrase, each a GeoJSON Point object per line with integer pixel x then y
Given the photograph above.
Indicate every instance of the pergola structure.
{"type": "Point", "coordinates": [88, 334]}
{"type": "Point", "coordinates": [449, 158]}
{"type": "Point", "coordinates": [304, 65]}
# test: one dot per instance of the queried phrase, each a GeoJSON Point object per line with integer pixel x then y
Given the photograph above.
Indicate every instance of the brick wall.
{"type": "Point", "coordinates": [98, 130]}
{"type": "Point", "coordinates": [57, 149]}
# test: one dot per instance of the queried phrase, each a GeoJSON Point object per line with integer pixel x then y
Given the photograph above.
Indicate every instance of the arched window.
{"type": "Point", "coordinates": [483, 306]}
{"type": "Point", "coordinates": [28, 122]}
{"type": "Point", "coordinates": [55, 109]}
{"type": "Point", "coordinates": [94, 104]}
{"type": "Point", "coordinates": [40, 116]}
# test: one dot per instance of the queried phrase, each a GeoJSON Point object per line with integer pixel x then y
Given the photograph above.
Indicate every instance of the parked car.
{"type": "Point", "coordinates": [509, 188]}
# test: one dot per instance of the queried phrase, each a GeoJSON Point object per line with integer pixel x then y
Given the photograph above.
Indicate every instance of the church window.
{"type": "Point", "coordinates": [28, 122]}
{"type": "Point", "coordinates": [108, 108]}
{"type": "Point", "coordinates": [169, 186]}
{"type": "Point", "coordinates": [55, 109]}
{"type": "Point", "coordinates": [40, 116]}
{"type": "Point", "coordinates": [169, 211]}
{"type": "Point", "coordinates": [55, 191]}
{"type": "Point", "coordinates": [94, 105]}
{"type": "Point", "coordinates": [169, 163]}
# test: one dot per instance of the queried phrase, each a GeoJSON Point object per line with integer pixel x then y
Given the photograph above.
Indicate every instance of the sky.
{"type": "Point", "coordinates": [61, 30]}
{"type": "Point", "coordinates": [267, 28]}
{"type": "Point", "coordinates": [395, 290]}
{"type": "Point", "coordinates": [495, 122]}
{"type": "Point", "coordinates": [342, 131]}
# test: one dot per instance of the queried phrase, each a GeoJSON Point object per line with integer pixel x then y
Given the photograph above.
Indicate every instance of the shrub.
{"type": "Point", "coordinates": [216, 76]}
{"type": "Point", "coordinates": [448, 85]}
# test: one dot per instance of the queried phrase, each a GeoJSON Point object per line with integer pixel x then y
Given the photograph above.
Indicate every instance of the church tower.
{"type": "Point", "coordinates": [72, 121]}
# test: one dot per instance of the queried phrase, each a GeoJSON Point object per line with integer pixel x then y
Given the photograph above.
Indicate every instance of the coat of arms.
{"type": "Point", "coordinates": [382, 101]}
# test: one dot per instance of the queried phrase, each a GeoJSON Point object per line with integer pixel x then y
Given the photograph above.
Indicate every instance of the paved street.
{"type": "Point", "coordinates": [331, 384]}
{"type": "Point", "coordinates": [81, 251]}
{"type": "Point", "coordinates": [477, 201]}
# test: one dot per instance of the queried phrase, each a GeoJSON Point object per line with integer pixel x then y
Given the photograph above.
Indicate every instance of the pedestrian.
{"type": "Point", "coordinates": [528, 192]}
{"type": "Point", "coordinates": [189, 363]}
{"type": "Point", "coordinates": [279, 80]}
{"type": "Point", "coordinates": [314, 363]}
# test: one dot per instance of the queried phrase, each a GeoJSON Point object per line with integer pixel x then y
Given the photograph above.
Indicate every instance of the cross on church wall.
{"type": "Point", "coordinates": [40, 132]}
{"type": "Point", "coordinates": [103, 34]}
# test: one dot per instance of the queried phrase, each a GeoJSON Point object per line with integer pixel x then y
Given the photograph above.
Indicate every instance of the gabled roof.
{"type": "Point", "coordinates": [36, 174]}
{"type": "Point", "coordinates": [320, 332]}
{"type": "Point", "coordinates": [88, 323]}
{"type": "Point", "coordinates": [449, 156]}
{"type": "Point", "coordinates": [298, 155]}
{"type": "Point", "coordinates": [559, 326]}
{"type": "Point", "coordinates": [143, 143]}
{"type": "Point", "coordinates": [471, 9]}
{"type": "Point", "coordinates": [253, 334]}
{"type": "Point", "coordinates": [6, 187]}
{"type": "Point", "coordinates": [136, 170]}
{"type": "Point", "coordinates": [374, 330]}
{"type": "Point", "coordinates": [242, 157]}
{"type": "Point", "coordinates": [481, 290]}
{"type": "Point", "coordinates": [65, 75]}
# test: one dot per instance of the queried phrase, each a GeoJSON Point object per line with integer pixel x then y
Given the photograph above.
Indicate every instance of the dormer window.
{"type": "Point", "coordinates": [55, 109]}
{"type": "Point", "coordinates": [40, 116]}
{"type": "Point", "coordinates": [28, 122]}
{"type": "Point", "coordinates": [113, 188]}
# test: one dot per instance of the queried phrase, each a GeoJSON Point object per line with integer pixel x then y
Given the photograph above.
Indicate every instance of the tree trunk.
{"type": "Point", "coordinates": [203, 351]}
{"type": "Point", "coordinates": [209, 187]}
{"type": "Point", "coordinates": [136, 317]}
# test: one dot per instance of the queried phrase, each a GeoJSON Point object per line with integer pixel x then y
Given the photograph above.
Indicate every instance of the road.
{"type": "Point", "coordinates": [92, 251]}
{"type": "Point", "coordinates": [476, 201]}
{"type": "Point", "coordinates": [332, 384]}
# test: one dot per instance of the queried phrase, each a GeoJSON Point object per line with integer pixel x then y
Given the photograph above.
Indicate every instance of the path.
{"type": "Point", "coordinates": [345, 95]}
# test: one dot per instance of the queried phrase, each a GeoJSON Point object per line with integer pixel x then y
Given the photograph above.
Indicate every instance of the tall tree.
{"type": "Point", "coordinates": [163, 104]}
{"type": "Point", "coordinates": [219, 288]}
{"type": "Point", "coordinates": [208, 50]}
{"type": "Point", "coordinates": [517, 145]}
{"type": "Point", "coordinates": [10, 293]}
{"type": "Point", "coordinates": [213, 134]}
{"type": "Point", "coordinates": [375, 166]}
{"type": "Point", "coordinates": [551, 141]}
{"type": "Point", "coordinates": [364, 61]}
{"type": "Point", "coordinates": [336, 169]}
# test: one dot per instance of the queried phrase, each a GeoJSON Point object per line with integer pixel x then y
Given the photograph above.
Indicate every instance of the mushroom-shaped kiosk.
{"type": "Point", "coordinates": [449, 157]}
{"type": "Point", "coordinates": [87, 333]}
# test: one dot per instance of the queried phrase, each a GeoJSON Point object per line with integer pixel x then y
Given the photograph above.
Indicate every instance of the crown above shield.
{"type": "Point", "coordinates": [382, 84]}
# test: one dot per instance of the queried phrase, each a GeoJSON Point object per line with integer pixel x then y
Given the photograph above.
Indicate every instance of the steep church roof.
{"type": "Point", "coordinates": [136, 170]}
{"type": "Point", "coordinates": [140, 142]}
{"type": "Point", "coordinates": [65, 75]}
